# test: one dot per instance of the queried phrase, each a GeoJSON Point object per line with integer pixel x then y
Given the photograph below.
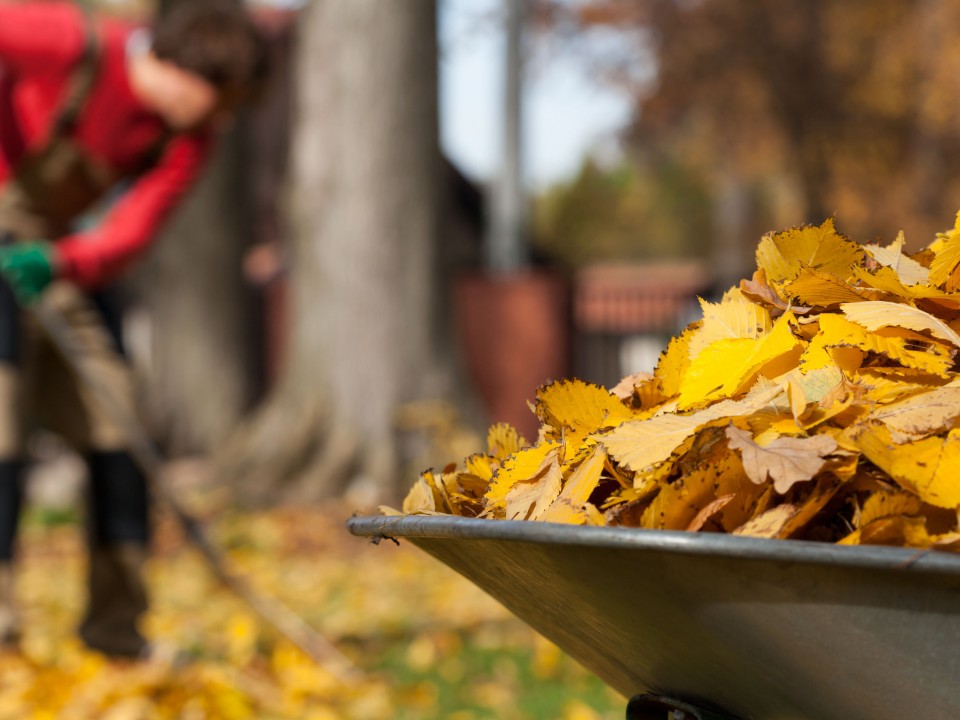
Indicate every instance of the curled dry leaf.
{"type": "Point", "coordinates": [908, 270]}
{"type": "Point", "coordinates": [786, 460]}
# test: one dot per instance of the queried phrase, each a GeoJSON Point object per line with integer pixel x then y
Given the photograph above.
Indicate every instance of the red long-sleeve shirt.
{"type": "Point", "coordinates": [40, 44]}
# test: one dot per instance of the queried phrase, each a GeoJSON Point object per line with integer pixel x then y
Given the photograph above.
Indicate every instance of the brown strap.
{"type": "Point", "coordinates": [156, 151]}
{"type": "Point", "coordinates": [81, 81]}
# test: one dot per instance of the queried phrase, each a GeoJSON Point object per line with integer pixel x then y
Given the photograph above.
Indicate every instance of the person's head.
{"type": "Point", "coordinates": [212, 59]}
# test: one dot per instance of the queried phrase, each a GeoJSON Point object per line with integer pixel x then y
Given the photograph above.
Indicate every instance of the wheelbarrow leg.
{"type": "Point", "coordinates": [660, 707]}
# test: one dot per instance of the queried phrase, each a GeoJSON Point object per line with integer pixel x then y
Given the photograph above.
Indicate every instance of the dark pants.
{"type": "Point", "coordinates": [37, 388]}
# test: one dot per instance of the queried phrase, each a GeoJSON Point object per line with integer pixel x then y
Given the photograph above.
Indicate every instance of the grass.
{"type": "Point", "coordinates": [431, 645]}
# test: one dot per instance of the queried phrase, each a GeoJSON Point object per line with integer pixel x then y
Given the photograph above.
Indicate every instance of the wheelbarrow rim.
{"type": "Point", "coordinates": [907, 560]}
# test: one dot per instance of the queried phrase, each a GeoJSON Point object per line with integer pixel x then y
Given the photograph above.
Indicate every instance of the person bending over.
{"type": "Point", "coordinates": [88, 105]}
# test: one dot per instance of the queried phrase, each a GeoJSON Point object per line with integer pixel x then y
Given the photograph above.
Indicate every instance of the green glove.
{"type": "Point", "coordinates": [27, 268]}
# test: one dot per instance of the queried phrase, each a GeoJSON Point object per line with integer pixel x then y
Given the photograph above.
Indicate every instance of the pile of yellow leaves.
{"type": "Point", "coordinates": [818, 400]}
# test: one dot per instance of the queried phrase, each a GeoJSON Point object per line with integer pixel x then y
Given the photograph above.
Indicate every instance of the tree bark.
{"type": "Point", "coordinates": [192, 331]}
{"type": "Point", "coordinates": [929, 165]}
{"type": "Point", "coordinates": [194, 312]}
{"type": "Point", "coordinates": [364, 223]}
{"type": "Point", "coordinates": [729, 255]}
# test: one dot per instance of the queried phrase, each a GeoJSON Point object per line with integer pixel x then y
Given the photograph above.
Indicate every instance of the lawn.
{"type": "Point", "coordinates": [430, 644]}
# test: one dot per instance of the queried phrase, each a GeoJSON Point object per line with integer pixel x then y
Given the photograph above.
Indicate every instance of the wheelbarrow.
{"type": "Point", "coordinates": [698, 626]}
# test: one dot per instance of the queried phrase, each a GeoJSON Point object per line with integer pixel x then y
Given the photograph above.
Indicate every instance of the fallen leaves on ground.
{"type": "Point", "coordinates": [820, 399]}
{"type": "Point", "coordinates": [432, 645]}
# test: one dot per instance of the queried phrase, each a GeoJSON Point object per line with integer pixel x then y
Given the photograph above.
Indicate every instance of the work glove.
{"type": "Point", "coordinates": [27, 268]}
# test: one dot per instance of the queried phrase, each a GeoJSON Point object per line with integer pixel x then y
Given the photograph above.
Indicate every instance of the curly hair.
{"type": "Point", "coordinates": [217, 40]}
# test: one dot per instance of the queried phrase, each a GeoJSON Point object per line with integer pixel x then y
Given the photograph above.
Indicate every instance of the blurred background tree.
{"type": "Point", "coordinates": [791, 112]}
{"type": "Point", "coordinates": [364, 219]}
{"type": "Point", "coordinates": [599, 215]}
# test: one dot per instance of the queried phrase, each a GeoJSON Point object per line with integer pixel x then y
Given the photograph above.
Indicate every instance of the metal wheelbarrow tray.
{"type": "Point", "coordinates": [760, 629]}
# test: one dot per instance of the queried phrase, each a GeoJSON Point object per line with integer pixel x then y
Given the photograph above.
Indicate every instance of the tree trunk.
{"type": "Point", "coordinates": [194, 310]}
{"type": "Point", "coordinates": [731, 252]}
{"type": "Point", "coordinates": [364, 220]}
{"type": "Point", "coordinates": [796, 78]}
{"type": "Point", "coordinates": [191, 327]}
{"type": "Point", "coordinates": [929, 165]}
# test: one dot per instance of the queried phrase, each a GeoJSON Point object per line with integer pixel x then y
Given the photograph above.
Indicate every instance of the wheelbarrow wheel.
{"type": "Point", "coordinates": [660, 707]}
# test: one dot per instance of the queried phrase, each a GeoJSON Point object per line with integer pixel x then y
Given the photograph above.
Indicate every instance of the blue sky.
{"type": "Point", "coordinates": [568, 112]}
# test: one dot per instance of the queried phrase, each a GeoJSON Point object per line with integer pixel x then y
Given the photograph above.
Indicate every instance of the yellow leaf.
{"type": "Point", "coordinates": [883, 504]}
{"type": "Point", "coordinates": [786, 460]}
{"type": "Point", "coordinates": [728, 367]}
{"type": "Point", "coordinates": [712, 462]}
{"type": "Point", "coordinates": [482, 466]}
{"type": "Point", "coordinates": [884, 279]}
{"type": "Point", "coordinates": [569, 506]}
{"type": "Point", "coordinates": [652, 475]}
{"type": "Point", "coordinates": [594, 516]}
{"type": "Point", "coordinates": [564, 511]}
{"type": "Point", "coordinates": [820, 357]}
{"type": "Point", "coordinates": [768, 524]}
{"type": "Point", "coordinates": [462, 492]}
{"type": "Point", "coordinates": [747, 496]}
{"type": "Point", "coordinates": [885, 385]}
{"type": "Point", "coordinates": [781, 255]}
{"type": "Point", "coordinates": [788, 519]}
{"type": "Point", "coordinates": [928, 467]}
{"type": "Point", "coordinates": [845, 463]}
{"type": "Point", "coordinates": [836, 331]}
{"type": "Point", "coordinates": [641, 392]}
{"type": "Point", "coordinates": [674, 361]}
{"type": "Point", "coordinates": [529, 499]}
{"type": "Point", "coordinates": [797, 397]}
{"type": "Point", "coordinates": [424, 495]}
{"type": "Point", "coordinates": [878, 314]}
{"type": "Point", "coordinates": [920, 415]}
{"type": "Point", "coordinates": [713, 370]}
{"type": "Point", "coordinates": [640, 444]}
{"type": "Point", "coordinates": [841, 412]}
{"type": "Point", "coordinates": [628, 385]}
{"type": "Point", "coordinates": [821, 289]}
{"type": "Point", "coordinates": [649, 394]}
{"type": "Point", "coordinates": [769, 424]}
{"type": "Point", "coordinates": [900, 531]}
{"type": "Point", "coordinates": [503, 440]}
{"type": "Point", "coordinates": [823, 492]}
{"type": "Point", "coordinates": [637, 495]}
{"type": "Point", "coordinates": [522, 467]}
{"type": "Point", "coordinates": [817, 383]}
{"type": "Point", "coordinates": [679, 501]}
{"type": "Point", "coordinates": [908, 270]}
{"type": "Point", "coordinates": [947, 541]}
{"type": "Point", "coordinates": [887, 281]}
{"type": "Point", "coordinates": [708, 512]}
{"type": "Point", "coordinates": [946, 260]}
{"type": "Point", "coordinates": [734, 317]}
{"type": "Point", "coordinates": [579, 409]}
{"type": "Point", "coordinates": [616, 474]}
{"type": "Point", "coordinates": [758, 290]}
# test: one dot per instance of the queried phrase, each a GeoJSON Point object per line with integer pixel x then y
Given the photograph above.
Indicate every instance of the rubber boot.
{"type": "Point", "coordinates": [118, 541]}
{"type": "Point", "coordinates": [9, 614]}
{"type": "Point", "coordinates": [11, 496]}
{"type": "Point", "coordinates": [118, 599]}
